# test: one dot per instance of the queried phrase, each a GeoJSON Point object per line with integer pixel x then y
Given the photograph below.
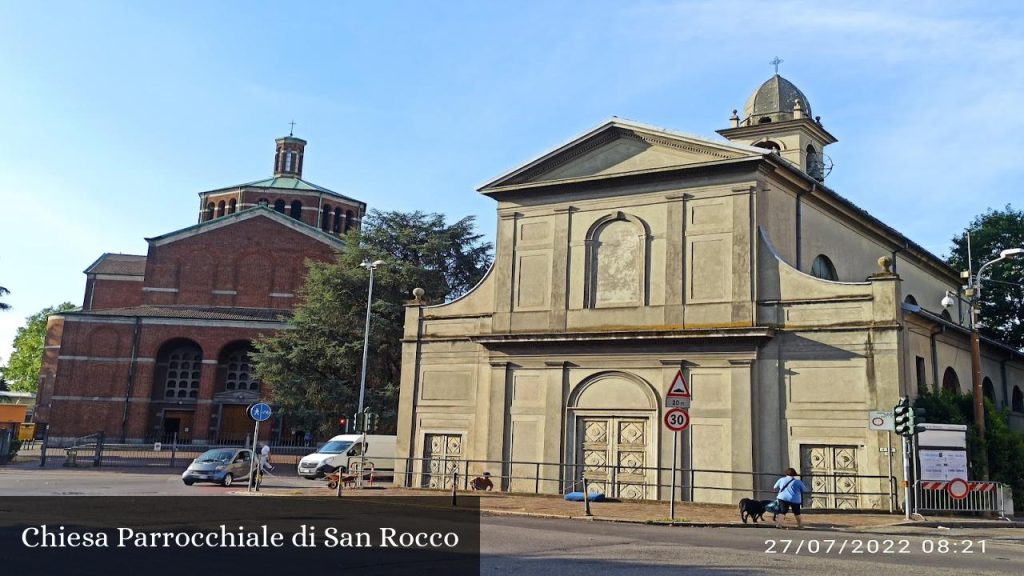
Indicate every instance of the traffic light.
{"type": "Point", "coordinates": [360, 421]}
{"type": "Point", "coordinates": [372, 421]}
{"type": "Point", "coordinates": [342, 422]}
{"type": "Point", "coordinates": [918, 419]}
{"type": "Point", "coordinates": [904, 416]}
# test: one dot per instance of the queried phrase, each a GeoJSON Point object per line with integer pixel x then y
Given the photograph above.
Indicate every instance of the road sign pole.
{"type": "Point", "coordinates": [672, 487]}
{"type": "Point", "coordinates": [252, 457]}
{"type": "Point", "coordinates": [906, 477]}
{"type": "Point", "coordinates": [888, 457]}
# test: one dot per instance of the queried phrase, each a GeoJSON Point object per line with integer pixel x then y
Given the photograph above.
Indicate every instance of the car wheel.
{"type": "Point", "coordinates": [228, 479]}
{"type": "Point", "coordinates": [189, 482]}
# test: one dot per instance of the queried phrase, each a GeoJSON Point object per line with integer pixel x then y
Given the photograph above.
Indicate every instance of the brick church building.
{"type": "Point", "coordinates": [160, 345]}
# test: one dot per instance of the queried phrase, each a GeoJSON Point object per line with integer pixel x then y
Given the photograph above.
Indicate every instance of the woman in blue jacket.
{"type": "Point", "coordinates": [791, 495]}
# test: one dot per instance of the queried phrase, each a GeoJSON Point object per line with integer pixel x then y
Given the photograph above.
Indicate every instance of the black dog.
{"type": "Point", "coordinates": [754, 509]}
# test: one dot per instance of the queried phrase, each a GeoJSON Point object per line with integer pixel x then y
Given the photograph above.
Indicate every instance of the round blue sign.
{"type": "Point", "coordinates": [259, 412]}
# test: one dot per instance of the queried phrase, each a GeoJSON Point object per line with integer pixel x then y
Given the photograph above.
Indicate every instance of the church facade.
{"type": "Point", "coordinates": [159, 348]}
{"type": "Point", "coordinates": [632, 253]}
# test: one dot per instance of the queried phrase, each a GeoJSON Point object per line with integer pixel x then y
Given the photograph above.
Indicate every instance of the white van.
{"type": "Point", "coordinates": [341, 451]}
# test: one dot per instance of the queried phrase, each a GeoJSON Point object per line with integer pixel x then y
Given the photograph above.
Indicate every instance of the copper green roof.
{"type": "Point", "coordinates": [285, 183]}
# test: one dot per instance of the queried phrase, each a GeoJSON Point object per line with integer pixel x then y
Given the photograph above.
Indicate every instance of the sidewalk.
{"type": "Point", "coordinates": [642, 512]}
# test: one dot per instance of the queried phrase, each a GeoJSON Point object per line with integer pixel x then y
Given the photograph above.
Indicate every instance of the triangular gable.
{"type": "Point", "coordinates": [618, 147]}
{"type": "Point", "coordinates": [241, 216]}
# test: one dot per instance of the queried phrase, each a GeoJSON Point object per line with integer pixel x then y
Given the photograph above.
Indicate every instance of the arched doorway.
{"type": "Point", "coordinates": [612, 428]}
{"type": "Point", "coordinates": [176, 380]}
{"type": "Point", "coordinates": [236, 388]}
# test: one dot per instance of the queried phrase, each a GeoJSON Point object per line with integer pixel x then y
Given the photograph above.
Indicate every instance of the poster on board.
{"type": "Point", "coordinates": [943, 464]}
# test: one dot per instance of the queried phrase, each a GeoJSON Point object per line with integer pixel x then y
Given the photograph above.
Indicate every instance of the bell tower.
{"type": "Point", "coordinates": [778, 117]}
{"type": "Point", "coordinates": [288, 158]}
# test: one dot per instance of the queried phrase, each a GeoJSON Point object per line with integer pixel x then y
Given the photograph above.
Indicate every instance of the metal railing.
{"type": "Point", "coordinates": [962, 497]}
{"type": "Point", "coordinates": [645, 482]}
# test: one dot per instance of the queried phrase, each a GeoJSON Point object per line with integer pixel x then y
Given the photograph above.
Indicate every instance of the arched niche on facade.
{"type": "Point", "coordinates": [613, 390]}
{"type": "Point", "coordinates": [617, 262]}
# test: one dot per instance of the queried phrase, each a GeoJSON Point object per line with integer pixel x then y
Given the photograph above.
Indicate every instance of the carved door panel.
{"type": "Point", "coordinates": [612, 454]}
{"type": "Point", "coordinates": [441, 456]}
{"type": "Point", "coordinates": [830, 473]}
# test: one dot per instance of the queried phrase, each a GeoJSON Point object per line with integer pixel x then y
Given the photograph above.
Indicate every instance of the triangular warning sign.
{"type": "Point", "coordinates": [679, 389]}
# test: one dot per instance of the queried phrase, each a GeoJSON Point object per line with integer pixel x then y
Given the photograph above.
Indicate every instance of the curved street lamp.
{"type": "Point", "coordinates": [973, 293]}
{"type": "Point", "coordinates": [371, 266]}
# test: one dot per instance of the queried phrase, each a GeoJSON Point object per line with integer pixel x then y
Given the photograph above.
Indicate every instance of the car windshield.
{"type": "Point", "coordinates": [335, 447]}
{"type": "Point", "coordinates": [216, 456]}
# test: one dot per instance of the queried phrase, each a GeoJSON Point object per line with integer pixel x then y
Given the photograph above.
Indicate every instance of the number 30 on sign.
{"type": "Point", "coordinates": [677, 419]}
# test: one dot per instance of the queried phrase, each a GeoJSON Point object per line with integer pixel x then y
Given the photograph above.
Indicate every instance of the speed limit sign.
{"type": "Point", "coordinates": [677, 419]}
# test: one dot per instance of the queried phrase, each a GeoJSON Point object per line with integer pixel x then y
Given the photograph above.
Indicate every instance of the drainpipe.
{"type": "Point", "coordinates": [131, 377]}
{"type": "Point", "coordinates": [799, 224]}
{"type": "Point", "coordinates": [935, 355]}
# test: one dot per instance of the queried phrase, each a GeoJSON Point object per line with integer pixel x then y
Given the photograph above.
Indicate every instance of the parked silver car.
{"type": "Point", "coordinates": [219, 465]}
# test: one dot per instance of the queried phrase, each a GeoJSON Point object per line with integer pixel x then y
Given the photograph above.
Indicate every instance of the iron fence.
{"type": "Point", "coordinates": [640, 482]}
{"type": "Point", "coordinates": [960, 496]}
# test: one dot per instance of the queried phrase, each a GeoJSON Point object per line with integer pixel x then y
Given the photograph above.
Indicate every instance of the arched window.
{"type": "Point", "coordinates": [325, 218]}
{"type": "Point", "coordinates": [296, 210]}
{"type": "Point", "coordinates": [814, 166]}
{"type": "Point", "coordinates": [945, 316]}
{"type": "Point", "coordinates": [1018, 400]}
{"type": "Point", "coordinates": [950, 381]}
{"type": "Point", "coordinates": [769, 145]}
{"type": "Point", "coordinates": [183, 363]}
{"type": "Point", "coordinates": [263, 202]}
{"type": "Point", "coordinates": [910, 299]}
{"type": "Point", "coordinates": [220, 208]}
{"type": "Point", "coordinates": [232, 206]}
{"type": "Point", "coordinates": [616, 262]}
{"type": "Point", "coordinates": [337, 221]}
{"type": "Point", "coordinates": [349, 220]}
{"type": "Point", "coordinates": [988, 390]}
{"type": "Point", "coordinates": [279, 205]}
{"type": "Point", "coordinates": [822, 268]}
{"type": "Point", "coordinates": [234, 369]}
{"type": "Point", "coordinates": [209, 211]}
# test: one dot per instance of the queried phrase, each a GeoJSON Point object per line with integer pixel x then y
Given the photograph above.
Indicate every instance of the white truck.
{"type": "Point", "coordinates": [343, 452]}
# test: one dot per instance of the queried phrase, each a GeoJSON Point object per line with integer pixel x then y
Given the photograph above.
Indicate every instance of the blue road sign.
{"type": "Point", "coordinates": [259, 412]}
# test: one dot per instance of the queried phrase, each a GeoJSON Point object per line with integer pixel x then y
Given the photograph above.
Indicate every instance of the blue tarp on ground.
{"type": "Point", "coordinates": [578, 496]}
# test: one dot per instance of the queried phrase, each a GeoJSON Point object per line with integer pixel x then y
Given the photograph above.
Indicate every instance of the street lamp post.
{"type": "Point", "coordinates": [371, 266]}
{"type": "Point", "coordinates": [974, 299]}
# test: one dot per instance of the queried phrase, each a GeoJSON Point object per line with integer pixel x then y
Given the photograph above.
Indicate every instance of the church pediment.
{"type": "Point", "coordinates": [620, 147]}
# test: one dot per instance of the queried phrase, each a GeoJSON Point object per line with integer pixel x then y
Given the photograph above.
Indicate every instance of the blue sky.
{"type": "Point", "coordinates": [115, 114]}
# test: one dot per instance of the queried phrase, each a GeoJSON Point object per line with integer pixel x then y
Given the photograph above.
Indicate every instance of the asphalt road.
{"type": "Point", "coordinates": [572, 547]}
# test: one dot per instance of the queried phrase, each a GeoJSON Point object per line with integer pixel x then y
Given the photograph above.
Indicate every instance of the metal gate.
{"type": "Point", "coordinates": [613, 454]}
{"type": "Point", "coordinates": [830, 472]}
{"type": "Point", "coordinates": [441, 456]}
{"type": "Point", "coordinates": [938, 496]}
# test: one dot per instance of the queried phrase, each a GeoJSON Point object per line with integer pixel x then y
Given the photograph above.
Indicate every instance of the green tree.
{"type": "Point", "coordinates": [1002, 302]}
{"type": "Point", "coordinates": [1002, 448]}
{"type": "Point", "coordinates": [313, 368]}
{"type": "Point", "coordinates": [4, 292]}
{"type": "Point", "coordinates": [25, 363]}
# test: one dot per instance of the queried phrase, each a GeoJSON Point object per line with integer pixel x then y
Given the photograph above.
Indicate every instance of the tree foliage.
{"type": "Point", "coordinates": [25, 363]}
{"type": "Point", "coordinates": [313, 369]}
{"type": "Point", "coordinates": [1002, 449]}
{"type": "Point", "coordinates": [1002, 302]}
{"type": "Point", "coordinates": [4, 292]}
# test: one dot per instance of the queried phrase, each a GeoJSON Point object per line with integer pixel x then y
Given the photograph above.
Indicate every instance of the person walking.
{"type": "Point", "coordinates": [791, 495]}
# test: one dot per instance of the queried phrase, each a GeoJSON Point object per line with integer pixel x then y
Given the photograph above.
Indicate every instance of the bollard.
{"type": "Point", "coordinates": [42, 454]}
{"type": "Point", "coordinates": [455, 487]}
{"type": "Point", "coordinates": [586, 498]}
{"type": "Point", "coordinates": [98, 459]}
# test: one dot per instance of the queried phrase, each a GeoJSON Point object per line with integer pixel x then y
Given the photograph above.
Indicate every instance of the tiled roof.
{"type": "Point", "coordinates": [287, 183]}
{"type": "Point", "coordinates": [196, 313]}
{"type": "Point", "coordinates": [124, 264]}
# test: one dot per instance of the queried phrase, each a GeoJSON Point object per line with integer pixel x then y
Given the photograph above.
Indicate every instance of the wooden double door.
{"type": "Point", "coordinates": [614, 454]}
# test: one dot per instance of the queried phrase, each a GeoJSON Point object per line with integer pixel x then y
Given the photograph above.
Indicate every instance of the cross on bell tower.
{"type": "Point", "coordinates": [775, 62]}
